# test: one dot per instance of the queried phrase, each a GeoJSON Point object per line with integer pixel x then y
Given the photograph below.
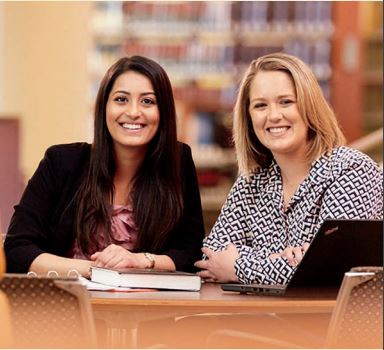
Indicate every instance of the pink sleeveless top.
{"type": "Point", "coordinates": [123, 228]}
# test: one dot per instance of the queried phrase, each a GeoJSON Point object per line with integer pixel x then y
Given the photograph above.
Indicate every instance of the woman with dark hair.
{"type": "Point", "coordinates": [131, 199]}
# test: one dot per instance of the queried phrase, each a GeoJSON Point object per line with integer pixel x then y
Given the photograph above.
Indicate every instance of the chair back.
{"type": "Point", "coordinates": [357, 320]}
{"type": "Point", "coordinates": [6, 339]}
{"type": "Point", "coordinates": [49, 313]}
{"type": "Point", "coordinates": [2, 259]}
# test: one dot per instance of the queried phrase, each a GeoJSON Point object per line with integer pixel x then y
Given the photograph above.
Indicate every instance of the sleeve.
{"type": "Point", "coordinates": [27, 236]}
{"type": "Point", "coordinates": [230, 226]}
{"type": "Point", "coordinates": [252, 266]}
{"type": "Point", "coordinates": [356, 192]}
{"type": "Point", "coordinates": [184, 247]}
{"type": "Point", "coordinates": [257, 267]}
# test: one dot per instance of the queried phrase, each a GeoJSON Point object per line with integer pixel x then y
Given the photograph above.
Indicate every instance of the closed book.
{"type": "Point", "coordinates": [146, 278]}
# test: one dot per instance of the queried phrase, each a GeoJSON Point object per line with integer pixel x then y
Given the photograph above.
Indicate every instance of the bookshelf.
{"type": "Point", "coordinates": [205, 47]}
{"type": "Point", "coordinates": [372, 64]}
{"type": "Point", "coordinates": [208, 44]}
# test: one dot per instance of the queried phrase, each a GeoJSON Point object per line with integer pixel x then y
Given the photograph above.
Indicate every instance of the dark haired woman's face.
{"type": "Point", "coordinates": [132, 112]}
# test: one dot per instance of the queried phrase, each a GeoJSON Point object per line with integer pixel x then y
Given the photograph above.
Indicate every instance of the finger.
{"type": "Point", "coordinates": [114, 261]}
{"type": "Point", "coordinates": [119, 256]}
{"type": "Point", "coordinates": [274, 256]}
{"type": "Point", "coordinates": [288, 254]}
{"type": "Point", "coordinates": [298, 253]}
{"type": "Point", "coordinates": [208, 252]}
{"type": "Point", "coordinates": [119, 264]}
{"type": "Point", "coordinates": [104, 258]}
{"type": "Point", "coordinates": [232, 247]}
{"type": "Point", "coordinates": [305, 247]}
{"type": "Point", "coordinates": [95, 256]}
{"type": "Point", "coordinates": [205, 274]}
{"type": "Point", "coordinates": [212, 280]}
{"type": "Point", "coordinates": [201, 264]}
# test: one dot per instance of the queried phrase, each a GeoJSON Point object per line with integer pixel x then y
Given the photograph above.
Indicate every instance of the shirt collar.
{"type": "Point", "coordinates": [320, 172]}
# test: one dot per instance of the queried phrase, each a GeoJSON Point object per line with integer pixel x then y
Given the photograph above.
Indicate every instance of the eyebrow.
{"type": "Point", "coordinates": [280, 96]}
{"type": "Point", "coordinates": [128, 93]}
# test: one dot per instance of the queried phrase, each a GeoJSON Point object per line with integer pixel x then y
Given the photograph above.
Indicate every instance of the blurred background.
{"type": "Point", "coordinates": [53, 55]}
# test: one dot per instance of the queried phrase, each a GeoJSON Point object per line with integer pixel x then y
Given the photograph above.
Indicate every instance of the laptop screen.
{"type": "Point", "coordinates": [338, 246]}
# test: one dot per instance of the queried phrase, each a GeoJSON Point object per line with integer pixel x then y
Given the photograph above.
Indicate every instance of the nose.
{"type": "Point", "coordinates": [133, 110]}
{"type": "Point", "coordinates": [274, 113]}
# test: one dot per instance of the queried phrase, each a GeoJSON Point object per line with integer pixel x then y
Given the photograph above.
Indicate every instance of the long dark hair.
{"type": "Point", "coordinates": [156, 193]}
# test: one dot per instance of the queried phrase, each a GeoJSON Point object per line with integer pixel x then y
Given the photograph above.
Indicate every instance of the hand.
{"type": "Point", "coordinates": [293, 254]}
{"type": "Point", "coordinates": [219, 266]}
{"type": "Point", "coordinates": [115, 256]}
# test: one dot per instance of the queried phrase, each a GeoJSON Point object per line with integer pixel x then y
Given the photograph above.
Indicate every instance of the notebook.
{"type": "Point", "coordinates": [338, 246]}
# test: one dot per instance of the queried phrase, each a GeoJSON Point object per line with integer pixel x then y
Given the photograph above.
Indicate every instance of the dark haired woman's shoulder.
{"type": "Point", "coordinates": [183, 147]}
{"type": "Point", "coordinates": [69, 148]}
{"type": "Point", "coordinates": [185, 152]}
{"type": "Point", "coordinates": [68, 155]}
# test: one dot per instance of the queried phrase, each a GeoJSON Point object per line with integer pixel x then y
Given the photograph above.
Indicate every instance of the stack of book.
{"type": "Point", "coordinates": [146, 278]}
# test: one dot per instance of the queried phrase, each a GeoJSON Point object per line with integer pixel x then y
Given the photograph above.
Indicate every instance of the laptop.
{"type": "Point", "coordinates": [338, 246]}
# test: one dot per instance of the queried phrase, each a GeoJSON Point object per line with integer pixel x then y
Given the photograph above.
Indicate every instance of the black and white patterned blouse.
{"type": "Point", "coordinates": [343, 184]}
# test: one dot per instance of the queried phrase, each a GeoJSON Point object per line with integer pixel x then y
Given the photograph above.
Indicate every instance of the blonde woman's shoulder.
{"type": "Point", "coordinates": [345, 157]}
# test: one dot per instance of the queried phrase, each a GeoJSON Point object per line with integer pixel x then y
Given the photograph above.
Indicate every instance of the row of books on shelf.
{"type": "Point", "coordinates": [219, 16]}
{"type": "Point", "coordinates": [194, 60]}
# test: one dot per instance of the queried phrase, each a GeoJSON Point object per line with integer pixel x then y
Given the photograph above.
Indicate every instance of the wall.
{"type": "Point", "coordinates": [44, 77]}
{"type": "Point", "coordinates": [2, 36]}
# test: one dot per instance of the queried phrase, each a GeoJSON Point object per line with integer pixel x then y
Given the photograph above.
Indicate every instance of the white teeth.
{"type": "Point", "coordinates": [132, 126]}
{"type": "Point", "coordinates": [278, 130]}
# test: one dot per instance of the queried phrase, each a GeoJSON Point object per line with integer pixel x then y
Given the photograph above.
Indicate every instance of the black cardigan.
{"type": "Point", "coordinates": [43, 221]}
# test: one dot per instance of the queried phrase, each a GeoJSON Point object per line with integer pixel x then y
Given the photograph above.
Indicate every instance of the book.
{"type": "Point", "coordinates": [146, 278]}
{"type": "Point", "coordinates": [98, 287]}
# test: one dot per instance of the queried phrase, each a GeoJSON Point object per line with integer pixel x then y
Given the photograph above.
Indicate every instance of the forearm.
{"type": "Point", "coordinates": [48, 262]}
{"type": "Point", "coordinates": [256, 268]}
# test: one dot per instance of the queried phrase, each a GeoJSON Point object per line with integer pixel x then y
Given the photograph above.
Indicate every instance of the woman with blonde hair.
{"type": "Point", "coordinates": [295, 172]}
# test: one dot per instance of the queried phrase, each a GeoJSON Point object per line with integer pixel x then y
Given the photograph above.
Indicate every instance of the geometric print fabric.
{"type": "Point", "coordinates": [342, 184]}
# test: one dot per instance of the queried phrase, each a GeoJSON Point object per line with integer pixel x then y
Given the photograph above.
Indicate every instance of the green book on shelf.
{"type": "Point", "coordinates": [147, 278]}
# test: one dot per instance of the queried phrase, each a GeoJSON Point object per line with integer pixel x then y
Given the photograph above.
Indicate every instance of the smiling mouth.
{"type": "Point", "coordinates": [129, 126]}
{"type": "Point", "coordinates": [278, 130]}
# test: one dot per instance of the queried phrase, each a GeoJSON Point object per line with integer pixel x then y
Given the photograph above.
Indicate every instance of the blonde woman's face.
{"type": "Point", "coordinates": [275, 116]}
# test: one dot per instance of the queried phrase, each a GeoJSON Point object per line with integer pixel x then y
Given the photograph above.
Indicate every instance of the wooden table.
{"type": "Point", "coordinates": [168, 318]}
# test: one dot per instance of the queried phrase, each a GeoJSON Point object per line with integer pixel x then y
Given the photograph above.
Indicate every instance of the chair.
{"type": "Point", "coordinates": [6, 340]}
{"type": "Point", "coordinates": [48, 312]}
{"type": "Point", "coordinates": [357, 321]}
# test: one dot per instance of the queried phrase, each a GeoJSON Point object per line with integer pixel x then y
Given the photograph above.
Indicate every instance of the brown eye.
{"type": "Point", "coordinates": [121, 99]}
{"type": "Point", "coordinates": [260, 105]}
{"type": "Point", "coordinates": [148, 101]}
{"type": "Point", "coordinates": [286, 102]}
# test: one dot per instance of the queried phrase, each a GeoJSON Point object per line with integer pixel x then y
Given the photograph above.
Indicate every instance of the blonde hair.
{"type": "Point", "coordinates": [324, 131]}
